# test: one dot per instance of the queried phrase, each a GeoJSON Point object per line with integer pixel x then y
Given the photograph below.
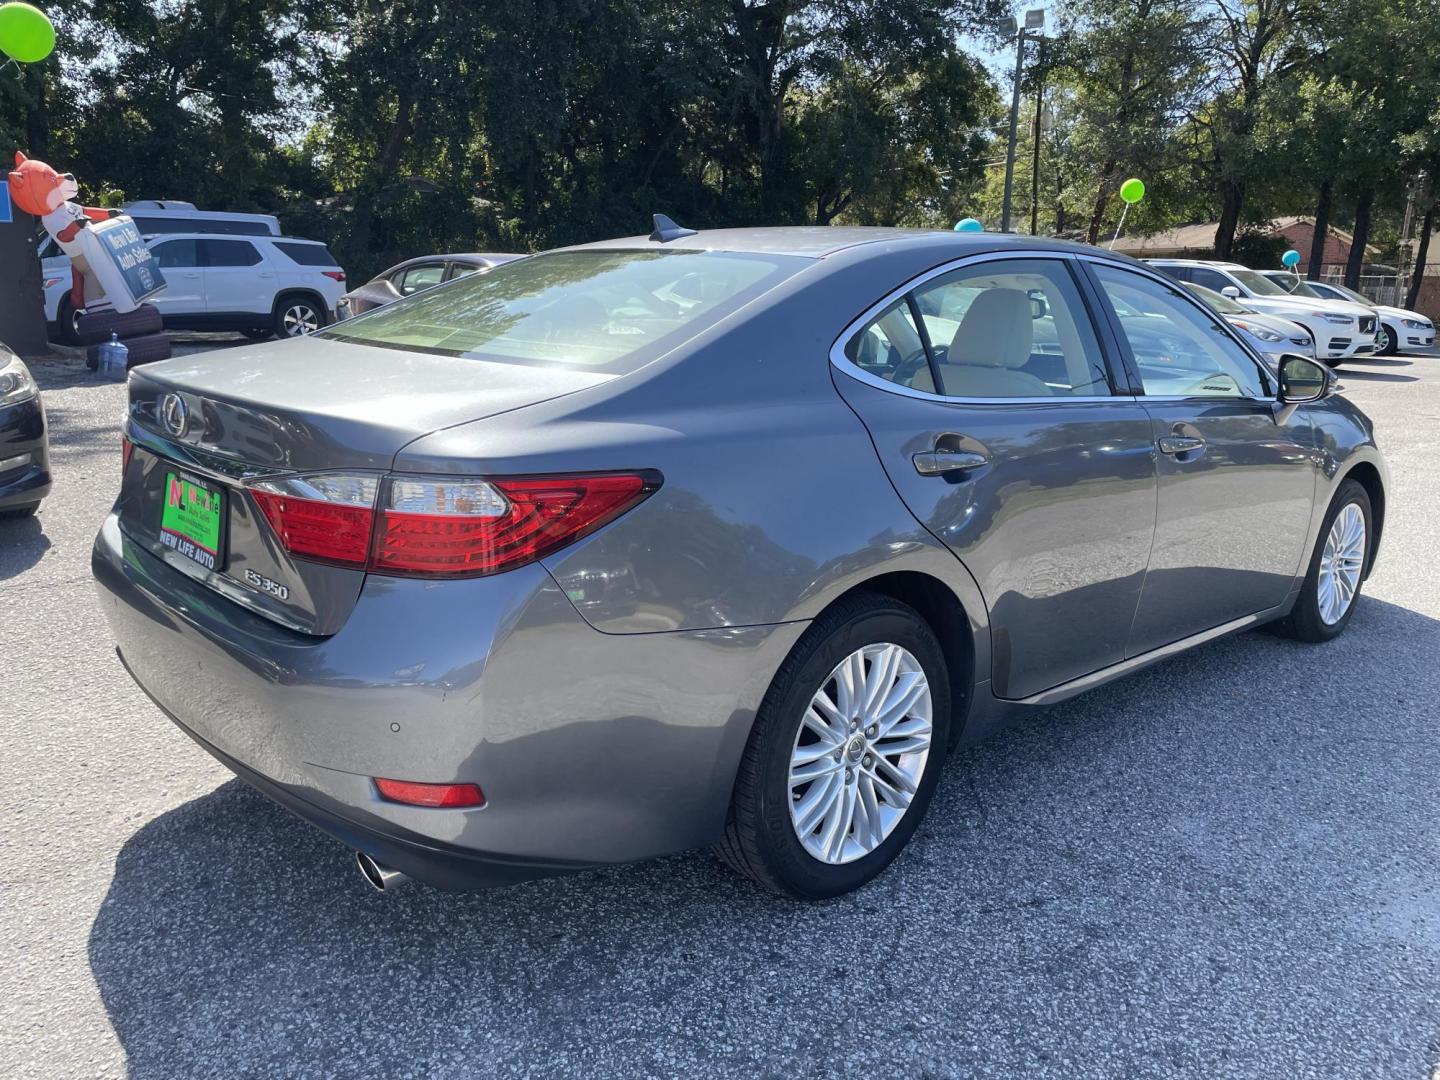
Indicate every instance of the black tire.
{"type": "Point", "coordinates": [760, 840]}
{"type": "Point", "coordinates": [258, 334]}
{"type": "Point", "coordinates": [1392, 342]}
{"type": "Point", "coordinates": [1333, 363]}
{"type": "Point", "coordinates": [65, 319]}
{"type": "Point", "coordinates": [287, 318]}
{"type": "Point", "coordinates": [1304, 623]}
{"type": "Point", "coordinates": [15, 513]}
{"type": "Point", "coordinates": [96, 329]}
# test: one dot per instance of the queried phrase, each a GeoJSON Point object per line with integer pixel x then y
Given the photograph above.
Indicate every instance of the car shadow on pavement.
{"type": "Point", "coordinates": [23, 543]}
{"type": "Point", "coordinates": [1161, 876]}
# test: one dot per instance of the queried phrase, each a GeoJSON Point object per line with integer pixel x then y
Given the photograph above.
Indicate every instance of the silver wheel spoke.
{"type": "Point", "coordinates": [1342, 560]}
{"type": "Point", "coordinates": [860, 749]}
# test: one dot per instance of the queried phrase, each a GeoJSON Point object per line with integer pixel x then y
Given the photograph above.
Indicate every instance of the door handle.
{"type": "Point", "coordinates": [939, 462]}
{"type": "Point", "coordinates": [1179, 444]}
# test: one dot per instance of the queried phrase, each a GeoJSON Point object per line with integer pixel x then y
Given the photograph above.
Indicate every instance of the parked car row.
{"type": "Point", "coordinates": [1340, 323]}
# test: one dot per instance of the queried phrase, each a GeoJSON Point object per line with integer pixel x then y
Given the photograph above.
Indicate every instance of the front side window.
{"type": "Point", "coordinates": [607, 310]}
{"type": "Point", "coordinates": [1211, 279]}
{"type": "Point", "coordinates": [1179, 349]}
{"type": "Point", "coordinates": [176, 253]}
{"type": "Point", "coordinates": [418, 278]}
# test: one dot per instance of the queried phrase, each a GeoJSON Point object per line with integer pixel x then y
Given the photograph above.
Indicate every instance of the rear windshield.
{"type": "Point", "coordinates": [607, 310]}
{"type": "Point", "coordinates": [307, 254]}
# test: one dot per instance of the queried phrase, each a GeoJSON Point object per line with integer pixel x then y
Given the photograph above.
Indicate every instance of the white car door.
{"type": "Point", "coordinates": [237, 278]}
{"type": "Point", "coordinates": [184, 292]}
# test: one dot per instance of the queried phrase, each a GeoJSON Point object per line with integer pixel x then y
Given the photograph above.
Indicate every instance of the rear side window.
{"type": "Point", "coordinates": [307, 254]}
{"type": "Point", "coordinates": [607, 310]}
{"type": "Point", "coordinates": [1012, 328]}
{"type": "Point", "coordinates": [229, 253]}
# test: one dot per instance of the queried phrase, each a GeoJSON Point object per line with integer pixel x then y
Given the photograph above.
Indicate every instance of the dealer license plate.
{"type": "Point", "coordinates": [192, 521]}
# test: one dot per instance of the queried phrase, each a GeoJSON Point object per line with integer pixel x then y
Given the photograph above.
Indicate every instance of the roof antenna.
{"type": "Point", "coordinates": [666, 230]}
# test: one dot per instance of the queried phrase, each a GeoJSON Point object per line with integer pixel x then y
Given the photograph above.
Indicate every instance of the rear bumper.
{"type": "Point", "coordinates": [24, 456]}
{"type": "Point", "coordinates": [591, 748]}
{"type": "Point", "coordinates": [422, 858]}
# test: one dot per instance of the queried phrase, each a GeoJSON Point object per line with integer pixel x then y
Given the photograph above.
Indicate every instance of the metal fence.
{"type": "Point", "coordinates": [1380, 288]}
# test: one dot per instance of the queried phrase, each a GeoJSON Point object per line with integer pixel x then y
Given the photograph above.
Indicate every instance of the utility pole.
{"type": "Point", "coordinates": [1035, 159]}
{"type": "Point", "coordinates": [1034, 20]}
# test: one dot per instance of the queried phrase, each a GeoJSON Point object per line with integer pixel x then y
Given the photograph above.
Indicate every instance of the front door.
{"type": "Point", "coordinates": [991, 405]}
{"type": "Point", "coordinates": [184, 292]}
{"type": "Point", "coordinates": [1237, 472]}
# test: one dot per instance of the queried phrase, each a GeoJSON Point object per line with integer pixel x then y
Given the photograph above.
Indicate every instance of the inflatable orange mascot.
{"type": "Point", "coordinates": [111, 266]}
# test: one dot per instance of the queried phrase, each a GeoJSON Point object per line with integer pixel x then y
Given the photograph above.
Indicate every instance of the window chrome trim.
{"type": "Point", "coordinates": [842, 363]}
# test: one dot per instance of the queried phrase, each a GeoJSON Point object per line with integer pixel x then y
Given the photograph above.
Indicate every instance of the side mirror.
{"type": "Point", "coordinates": [1302, 380]}
{"type": "Point", "coordinates": [1231, 291]}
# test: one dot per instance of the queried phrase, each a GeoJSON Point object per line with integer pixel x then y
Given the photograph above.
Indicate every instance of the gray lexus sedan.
{"type": "Point", "coordinates": [723, 538]}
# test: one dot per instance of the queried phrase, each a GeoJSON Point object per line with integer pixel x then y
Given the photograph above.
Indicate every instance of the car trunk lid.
{"type": "Point", "coordinates": [206, 427]}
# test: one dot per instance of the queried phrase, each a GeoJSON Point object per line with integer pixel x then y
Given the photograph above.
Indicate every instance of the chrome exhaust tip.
{"type": "Point", "coordinates": [381, 877]}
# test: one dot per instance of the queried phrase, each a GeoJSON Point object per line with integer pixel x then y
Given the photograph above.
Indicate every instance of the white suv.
{"type": "Point", "coordinates": [258, 285]}
{"type": "Point", "coordinates": [1340, 329]}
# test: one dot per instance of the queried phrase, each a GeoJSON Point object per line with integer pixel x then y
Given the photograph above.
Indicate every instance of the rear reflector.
{"type": "Point", "coordinates": [469, 527]}
{"type": "Point", "coordinates": [441, 796]}
{"type": "Point", "coordinates": [126, 449]}
{"type": "Point", "coordinates": [442, 527]}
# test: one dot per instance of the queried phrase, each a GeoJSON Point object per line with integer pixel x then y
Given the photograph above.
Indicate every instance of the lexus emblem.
{"type": "Point", "coordinates": [174, 415]}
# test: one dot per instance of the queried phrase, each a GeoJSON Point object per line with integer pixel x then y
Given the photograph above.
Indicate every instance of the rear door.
{"type": "Point", "coordinates": [1236, 472]}
{"type": "Point", "coordinates": [184, 292]}
{"type": "Point", "coordinates": [997, 418]}
{"type": "Point", "coordinates": [237, 278]}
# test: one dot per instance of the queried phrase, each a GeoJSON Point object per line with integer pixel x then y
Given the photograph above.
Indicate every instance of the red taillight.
{"type": "Point", "coordinates": [127, 448]}
{"type": "Point", "coordinates": [334, 275]}
{"type": "Point", "coordinates": [328, 518]}
{"type": "Point", "coordinates": [440, 796]}
{"type": "Point", "coordinates": [462, 527]}
{"type": "Point", "coordinates": [444, 527]}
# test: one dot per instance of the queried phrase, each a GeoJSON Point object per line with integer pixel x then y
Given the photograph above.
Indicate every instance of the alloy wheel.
{"type": "Point", "coordinates": [1341, 563]}
{"type": "Point", "coordinates": [300, 319]}
{"type": "Point", "coordinates": [860, 753]}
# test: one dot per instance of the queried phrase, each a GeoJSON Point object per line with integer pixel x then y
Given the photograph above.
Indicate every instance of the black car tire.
{"type": "Point", "coordinates": [760, 841]}
{"type": "Point", "coordinates": [96, 329]}
{"type": "Point", "coordinates": [1392, 342]}
{"type": "Point", "coordinates": [16, 512]}
{"type": "Point", "coordinates": [1304, 622]}
{"type": "Point", "coordinates": [287, 305]}
{"type": "Point", "coordinates": [65, 318]}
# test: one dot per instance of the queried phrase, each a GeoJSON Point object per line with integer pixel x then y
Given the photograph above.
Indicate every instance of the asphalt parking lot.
{"type": "Point", "coordinates": [1225, 866]}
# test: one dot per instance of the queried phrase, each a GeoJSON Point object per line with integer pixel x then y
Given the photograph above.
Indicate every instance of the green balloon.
{"type": "Point", "coordinates": [1132, 190]}
{"type": "Point", "coordinates": [26, 33]}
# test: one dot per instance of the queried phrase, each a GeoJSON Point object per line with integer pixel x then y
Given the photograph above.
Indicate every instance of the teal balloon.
{"type": "Point", "coordinates": [1291, 258]}
{"type": "Point", "coordinates": [969, 224]}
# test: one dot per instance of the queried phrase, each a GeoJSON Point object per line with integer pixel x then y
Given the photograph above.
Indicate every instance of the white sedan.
{"type": "Point", "coordinates": [1404, 329]}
